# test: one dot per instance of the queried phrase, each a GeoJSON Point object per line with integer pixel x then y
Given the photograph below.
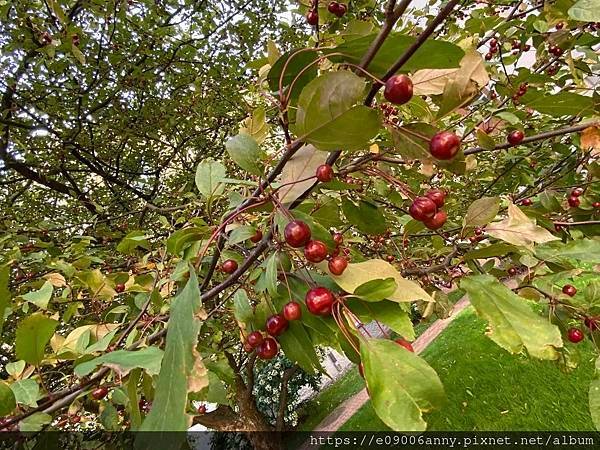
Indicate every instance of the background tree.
{"type": "Point", "coordinates": [380, 160]}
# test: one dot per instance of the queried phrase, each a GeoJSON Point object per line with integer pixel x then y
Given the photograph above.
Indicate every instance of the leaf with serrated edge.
{"type": "Point", "coordinates": [513, 325]}
{"type": "Point", "coordinates": [303, 164]}
{"type": "Point", "coordinates": [518, 229]}
{"type": "Point", "coordinates": [373, 269]}
{"type": "Point", "coordinates": [402, 386]}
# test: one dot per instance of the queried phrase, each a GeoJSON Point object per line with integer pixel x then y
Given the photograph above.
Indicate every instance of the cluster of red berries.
{"type": "Point", "coordinates": [390, 113]}
{"type": "Point", "coordinates": [444, 145]}
{"type": "Point", "coordinates": [553, 69]}
{"type": "Point", "coordinates": [426, 209]}
{"type": "Point", "coordinates": [520, 93]}
{"type": "Point", "coordinates": [493, 49]}
{"type": "Point", "coordinates": [398, 89]}
{"type": "Point", "coordinates": [555, 50]}
{"type": "Point", "coordinates": [573, 199]}
{"type": "Point", "coordinates": [477, 235]}
{"type": "Point", "coordinates": [337, 9]}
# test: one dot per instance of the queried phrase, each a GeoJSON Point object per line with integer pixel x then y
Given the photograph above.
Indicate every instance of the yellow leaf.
{"type": "Point", "coordinates": [56, 279]}
{"type": "Point", "coordinates": [431, 81]}
{"type": "Point", "coordinates": [590, 139]}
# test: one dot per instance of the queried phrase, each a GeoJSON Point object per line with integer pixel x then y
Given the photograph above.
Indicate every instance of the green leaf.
{"type": "Point", "coordinates": [41, 297]}
{"type": "Point", "coordinates": [520, 230]}
{"type": "Point", "coordinates": [485, 140]}
{"type": "Point", "coordinates": [561, 104]}
{"type": "Point", "coordinates": [7, 399]}
{"type": "Point", "coordinates": [209, 178]}
{"type": "Point", "coordinates": [302, 165]}
{"type": "Point", "coordinates": [134, 240]}
{"type": "Point", "coordinates": [401, 385]}
{"type": "Point", "coordinates": [481, 212]}
{"type": "Point", "coordinates": [298, 347]}
{"type": "Point", "coordinates": [4, 292]}
{"type": "Point", "coordinates": [256, 125]}
{"type": "Point", "coordinates": [376, 290]}
{"type": "Point", "coordinates": [375, 269]}
{"type": "Point", "coordinates": [179, 362]}
{"type": "Point", "coordinates": [594, 396]}
{"type": "Point", "coordinates": [513, 324]}
{"type": "Point", "coordinates": [412, 140]}
{"type": "Point", "coordinates": [123, 361]}
{"type": "Point", "coordinates": [327, 116]}
{"type": "Point", "coordinates": [491, 251]}
{"type": "Point", "coordinates": [240, 234]}
{"type": "Point", "coordinates": [271, 274]}
{"type": "Point", "coordinates": [432, 54]}
{"type": "Point", "coordinates": [78, 54]}
{"type": "Point", "coordinates": [33, 333]}
{"type": "Point", "coordinates": [386, 312]}
{"type": "Point", "coordinates": [585, 11]}
{"type": "Point", "coordinates": [35, 422]}
{"type": "Point", "coordinates": [298, 69]}
{"type": "Point", "coordinates": [181, 239]}
{"type": "Point", "coordinates": [584, 250]}
{"type": "Point", "coordinates": [509, 117]}
{"type": "Point", "coordinates": [27, 392]}
{"type": "Point", "coordinates": [241, 306]}
{"type": "Point", "coordinates": [245, 152]}
{"type": "Point", "coordinates": [365, 216]}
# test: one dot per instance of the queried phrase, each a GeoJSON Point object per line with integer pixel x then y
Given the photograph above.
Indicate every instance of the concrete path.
{"type": "Point", "coordinates": [348, 408]}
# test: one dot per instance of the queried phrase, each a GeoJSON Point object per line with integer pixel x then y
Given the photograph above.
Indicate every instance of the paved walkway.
{"type": "Point", "coordinates": [348, 408]}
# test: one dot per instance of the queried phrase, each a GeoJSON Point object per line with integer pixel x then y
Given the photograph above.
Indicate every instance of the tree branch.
{"type": "Point", "coordinates": [287, 376]}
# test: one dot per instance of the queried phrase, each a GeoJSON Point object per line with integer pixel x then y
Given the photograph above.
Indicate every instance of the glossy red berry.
{"type": "Point", "coordinates": [515, 137]}
{"type": "Point", "coordinates": [254, 339]}
{"type": "Point", "coordinates": [312, 18]}
{"type": "Point", "coordinates": [120, 288]}
{"type": "Point", "coordinates": [257, 237]}
{"type": "Point", "coordinates": [573, 201]}
{"type": "Point", "coordinates": [478, 231]}
{"type": "Point", "coordinates": [576, 192]}
{"type": "Point", "coordinates": [338, 239]}
{"type": "Point", "coordinates": [526, 202]}
{"type": "Point", "coordinates": [337, 265]}
{"type": "Point", "coordinates": [591, 323]}
{"type": "Point", "coordinates": [229, 266]}
{"type": "Point", "coordinates": [319, 301]}
{"type": "Point", "coordinates": [575, 335]}
{"type": "Point", "coordinates": [268, 349]}
{"type": "Point", "coordinates": [437, 195]}
{"type": "Point", "coordinates": [422, 208]}
{"type": "Point", "coordinates": [489, 56]}
{"type": "Point", "coordinates": [332, 7]}
{"type": "Point", "coordinates": [444, 145]}
{"type": "Point", "coordinates": [276, 325]}
{"type": "Point", "coordinates": [390, 258]}
{"type": "Point", "coordinates": [569, 290]}
{"type": "Point", "coordinates": [512, 271]}
{"type": "Point", "coordinates": [297, 234]}
{"type": "Point", "coordinates": [398, 89]}
{"type": "Point", "coordinates": [100, 393]}
{"type": "Point", "coordinates": [437, 221]}
{"type": "Point", "coordinates": [201, 409]}
{"type": "Point", "coordinates": [324, 173]}
{"type": "Point", "coordinates": [404, 343]}
{"type": "Point", "coordinates": [596, 205]}
{"type": "Point", "coordinates": [292, 311]}
{"type": "Point", "coordinates": [559, 25]}
{"type": "Point", "coordinates": [315, 251]}
{"type": "Point", "coordinates": [341, 10]}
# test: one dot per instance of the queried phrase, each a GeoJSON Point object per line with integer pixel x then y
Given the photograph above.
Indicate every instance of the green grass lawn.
{"type": "Point", "coordinates": [489, 389]}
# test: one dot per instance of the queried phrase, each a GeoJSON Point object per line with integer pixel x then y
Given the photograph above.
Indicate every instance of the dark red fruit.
{"type": "Point", "coordinates": [332, 7]}
{"type": "Point", "coordinates": [569, 290]}
{"type": "Point", "coordinates": [229, 266]}
{"type": "Point", "coordinates": [268, 349]}
{"type": "Point", "coordinates": [573, 201]}
{"type": "Point", "coordinates": [315, 251]}
{"type": "Point", "coordinates": [201, 409]}
{"type": "Point", "coordinates": [319, 301]}
{"type": "Point", "coordinates": [257, 237]}
{"type": "Point", "coordinates": [296, 233]}
{"type": "Point", "coordinates": [559, 25]}
{"type": "Point", "coordinates": [276, 325]}
{"type": "Point", "coordinates": [526, 202]}
{"type": "Point", "coordinates": [576, 192]}
{"type": "Point", "coordinates": [596, 205]}
{"type": "Point", "coordinates": [591, 323]}
{"type": "Point", "coordinates": [338, 238]}
{"type": "Point", "coordinates": [489, 56]}
{"type": "Point", "coordinates": [398, 89]}
{"type": "Point", "coordinates": [478, 231]}
{"type": "Point", "coordinates": [515, 137]}
{"type": "Point", "coordinates": [120, 288]}
{"type": "Point", "coordinates": [292, 311]}
{"type": "Point", "coordinates": [100, 393]}
{"type": "Point", "coordinates": [341, 10]}
{"type": "Point", "coordinates": [390, 258]}
{"type": "Point", "coordinates": [437, 221]}
{"type": "Point", "coordinates": [404, 343]}
{"type": "Point", "coordinates": [254, 339]}
{"type": "Point", "coordinates": [444, 145]}
{"type": "Point", "coordinates": [512, 271]}
{"type": "Point", "coordinates": [75, 40]}
{"type": "Point", "coordinates": [248, 348]}
{"type": "Point", "coordinates": [75, 418]}
{"type": "Point", "coordinates": [437, 195]}
{"type": "Point", "coordinates": [422, 208]}
{"type": "Point", "coordinates": [313, 19]}
{"type": "Point", "coordinates": [337, 265]}
{"type": "Point", "coordinates": [575, 335]}
{"type": "Point", "coordinates": [324, 173]}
